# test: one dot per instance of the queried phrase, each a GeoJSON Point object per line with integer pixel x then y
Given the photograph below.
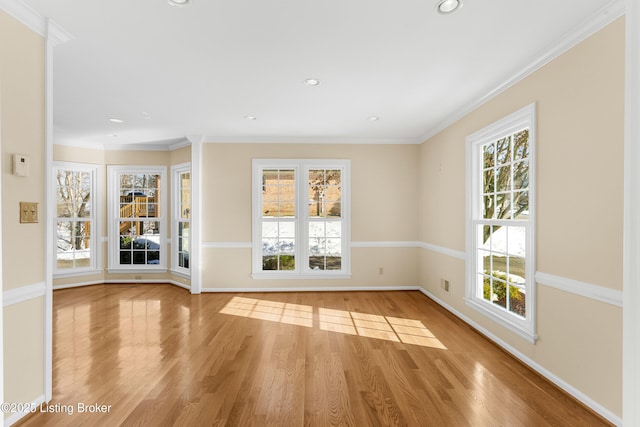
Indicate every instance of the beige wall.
{"type": "Point", "coordinates": [580, 102]}
{"type": "Point", "coordinates": [22, 123]}
{"type": "Point", "coordinates": [384, 207]}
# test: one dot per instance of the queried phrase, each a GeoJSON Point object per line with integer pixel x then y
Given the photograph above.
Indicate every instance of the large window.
{"type": "Point", "coordinates": [300, 218]}
{"type": "Point", "coordinates": [75, 218]}
{"type": "Point", "coordinates": [181, 191]}
{"type": "Point", "coordinates": [137, 218]}
{"type": "Point", "coordinates": [501, 234]}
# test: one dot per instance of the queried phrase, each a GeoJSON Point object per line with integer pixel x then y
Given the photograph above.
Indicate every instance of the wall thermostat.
{"type": "Point", "coordinates": [20, 165]}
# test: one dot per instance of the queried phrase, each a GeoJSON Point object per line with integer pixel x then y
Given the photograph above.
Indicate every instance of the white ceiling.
{"type": "Point", "coordinates": [196, 71]}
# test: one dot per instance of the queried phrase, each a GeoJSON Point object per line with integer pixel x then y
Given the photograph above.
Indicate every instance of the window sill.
{"type": "Point", "coordinates": [137, 270]}
{"type": "Point", "coordinates": [503, 320]}
{"type": "Point", "coordinates": [76, 273]}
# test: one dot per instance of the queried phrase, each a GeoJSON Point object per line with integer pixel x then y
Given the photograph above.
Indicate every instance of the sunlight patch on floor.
{"type": "Point", "coordinates": [407, 331]}
{"type": "Point", "coordinates": [273, 311]}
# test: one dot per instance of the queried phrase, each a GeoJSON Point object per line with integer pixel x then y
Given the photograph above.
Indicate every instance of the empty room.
{"type": "Point", "coordinates": [310, 214]}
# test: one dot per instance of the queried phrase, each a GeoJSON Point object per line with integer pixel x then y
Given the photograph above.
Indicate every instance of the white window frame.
{"type": "Point", "coordinates": [301, 169]}
{"type": "Point", "coordinates": [113, 173]}
{"type": "Point", "coordinates": [523, 118]}
{"type": "Point", "coordinates": [176, 218]}
{"type": "Point", "coordinates": [96, 238]}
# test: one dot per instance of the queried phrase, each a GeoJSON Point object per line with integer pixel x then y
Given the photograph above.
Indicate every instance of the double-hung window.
{"type": "Point", "coordinates": [301, 218]}
{"type": "Point", "coordinates": [137, 223]}
{"type": "Point", "coordinates": [500, 231]}
{"type": "Point", "coordinates": [75, 218]}
{"type": "Point", "coordinates": [181, 194]}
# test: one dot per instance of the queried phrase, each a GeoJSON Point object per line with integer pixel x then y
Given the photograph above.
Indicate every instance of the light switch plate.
{"type": "Point", "coordinates": [28, 212]}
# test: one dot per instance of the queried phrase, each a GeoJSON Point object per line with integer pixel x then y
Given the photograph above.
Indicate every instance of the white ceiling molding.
{"type": "Point", "coordinates": [208, 139]}
{"type": "Point", "coordinates": [56, 34]}
{"type": "Point", "coordinates": [24, 14]}
{"type": "Point", "coordinates": [600, 19]}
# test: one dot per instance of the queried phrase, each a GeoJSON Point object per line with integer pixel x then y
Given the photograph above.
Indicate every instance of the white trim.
{"type": "Point", "coordinates": [78, 273]}
{"type": "Point", "coordinates": [301, 169]}
{"type": "Point", "coordinates": [196, 215]}
{"type": "Point", "coordinates": [113, 207]}
{"type": "Point", "coordinates": [227, 245]}
{"type": "Point", "coordinates": [598, 20]}
{"type": "Point", "coordinates": [179, 144]}
{"type": "Point", "coordinates": [25, 14]}
{"type": "Point", "coordinates": [390, 244]}
{"type": "Point", "coordinates": [23, 293]}
{"type": "Point", "coordinates": [587, 290]}
{"type": "Point", "coordinates": [122, 282]}
{"type": "Point", "coordinates": [523, 118]}
{"type": "Point", "coordinates": [17, 416]}
{"type": "Point", "coordinates": [93, 219]}
{"type": "Point", "coordinates": [444, 251]}
{"type": "Point", "coordinates": [631, 231]}
{"type": "Point", "coordinates": [104, 239]}
{"type": "Point", "coordinates": [314, 289]}
{"type": "Point", "coordinates": [176, 218]}
{"type": "Point", "coordinates": [586, 400]}
{"type": "Point", "coordinates": [136, 271]}
{"type": "Point", "coordinates": [212, 139]}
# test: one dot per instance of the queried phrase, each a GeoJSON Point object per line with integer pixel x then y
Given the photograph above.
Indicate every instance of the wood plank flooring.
{"type": "Point", "coordinates": [162, 357]}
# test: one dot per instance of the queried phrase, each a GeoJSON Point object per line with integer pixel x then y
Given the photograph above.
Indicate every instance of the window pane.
{"type": "Point", "coordinates": [516, 241]}
{"type": "Point", "coordinates": [499, 292]}
{"type": "Point", "coordinates": [334, 246]}
{"type": "Point", "coordinates": [521, 175]}
{"type": "Point", "coordinates": [287, 229]}
{"type": "Point", "coordinates": [517, 301]}
{"type": "Point", "coordinates": [287, 246]}
{"type": "Point", "coordinates": [334, 263]}
{"type": "Point", "coordinates": [488, 181]}
{"type": "Point", "coordinates": [488, 206]}
{"type": "Point", "coordinates": [287, 209]}
{"type": "Point", "coordinates": [183, 234]}
{"type": "Point", "coordinates": [334, 229]}
{"type": "Point", "coordinates": [503, 178]}
{"type": "Point", "coordinates": [517, 270]}
{"type": "Point", "coordinates": [503, 150]}
{"type": "Point", "coordinates": [333, 209]}
{"type": "Point", "coordinates": [521, 145]}
{"type": "Point", "coordinates": [316, 229]}
{"type": "Point", "coordinates": [316, 262]}
{"type": "Point", "coordinates": [488, 155]}
{"type": "Point", "coordinates": [521, 205]}
{"type": "Point", "coordinates": [317, 246]}
{"type": "Point", "coordinates": [185, 195]}
{"type": "Point", "coordinates": [486, 288]}
{"type": "Point", "coordinates": [503, 206]}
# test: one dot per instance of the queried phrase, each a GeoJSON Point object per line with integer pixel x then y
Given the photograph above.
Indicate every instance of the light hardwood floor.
{"type": "Point", "coordinates": [160, 356]}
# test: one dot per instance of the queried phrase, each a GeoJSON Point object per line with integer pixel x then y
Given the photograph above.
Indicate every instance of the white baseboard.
{"type": "Point", "coordinates": [123, 281]}
{"type": "Point", "coordinates": [315, 289]}
{"type": "Point", "coordinates": [586, 400]}
{"type": "Point", "coordinates": [17, 416]}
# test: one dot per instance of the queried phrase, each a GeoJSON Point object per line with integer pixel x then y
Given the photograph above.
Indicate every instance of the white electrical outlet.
{"type": "Point", "coordinates": [444, 285]}
{"type": "Point", "coordinates": [21, 165]}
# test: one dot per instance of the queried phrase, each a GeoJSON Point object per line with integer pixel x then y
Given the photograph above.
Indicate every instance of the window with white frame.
{"type": "Point", "coordinates": [137, 232]}
{"type": "Point", "coordinates": [181, 191]}
{"type": "Point", "coordinates": [75, 218]}
{"type": "Point", "coordinates": [301, 218]}
{"type": "Point", "coordinates": [500, 234]}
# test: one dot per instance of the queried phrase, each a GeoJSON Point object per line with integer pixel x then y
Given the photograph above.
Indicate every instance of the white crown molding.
{"type": "Point", "coordinates": [600, 19]}
{"type": "Point", "coordinates": [56, 34]}
{"type": "Point", "coordinates": [211, 139]}
{"type": "Point", "coordinates": [36, 22]}
{"type": "Point", "coordinates": [24, 14]}
{"type": "Point", "coordinates": [169, 146]}
{"type": "Point", "coordinates": [179, 144]}
{"type": "Point", "coordinates": [586, 290]}
{"type": "Point", "coordinates": [588, 401]}
{"type": "Point", "coordinates": [23, 293]}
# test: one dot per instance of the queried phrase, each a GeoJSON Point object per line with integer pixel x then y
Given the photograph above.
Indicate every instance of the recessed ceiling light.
{"type": "Point", "coordinates": [250, 117]}
{"type": "Point", "coordinates": [179, 3]}
{"type": "Point", "coordinates": [312, 82]}
{"type": "Point", "coordinates": [114, 120]}
{"type": "Point", "coordinates": [374, 118]}
{"type": "Point", "coordinates": [446, 7]}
